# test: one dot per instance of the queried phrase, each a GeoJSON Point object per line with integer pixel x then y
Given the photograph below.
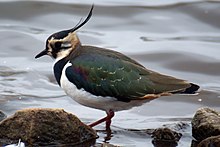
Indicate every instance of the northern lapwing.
{"type": "Point", "coordinates": [105, 79]}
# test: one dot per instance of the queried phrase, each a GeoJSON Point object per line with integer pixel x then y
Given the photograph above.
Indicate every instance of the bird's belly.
{"type": "Point", "coordinates": [98, 102]}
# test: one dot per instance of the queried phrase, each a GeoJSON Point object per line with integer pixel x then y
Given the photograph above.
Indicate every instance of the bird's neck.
{"type": "Point", "coordinates": [74, 52]}
{"type": "Point", "coordinates": [61, 62]}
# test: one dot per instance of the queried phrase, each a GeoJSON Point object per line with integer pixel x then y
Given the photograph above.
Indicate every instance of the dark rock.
{"type": "Point", "coordinates": [105, 145]}
{"type": "Point", "coordinates": [213, 141]}
{"type": "Point", "coordinates": [194, 143]}
{"type": "Point", "coordinates": [165, 137]}
{"type": "Point", "coordinates": [2, 115]}
{"type": "Point", "coordinates": [41, 127]}
{"type": "Point", "coordinates": [205, 123]}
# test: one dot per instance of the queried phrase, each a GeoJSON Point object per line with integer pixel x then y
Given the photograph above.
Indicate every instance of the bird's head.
{"type": "Point", "coordinates": [61, 44]}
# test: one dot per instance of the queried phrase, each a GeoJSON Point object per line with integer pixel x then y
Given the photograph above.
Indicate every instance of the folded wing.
{"type": "Point", "coordinates": [115, 75]}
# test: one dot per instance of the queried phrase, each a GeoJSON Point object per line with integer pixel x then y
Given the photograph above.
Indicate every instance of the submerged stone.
{"type": "Point", "coordinates": [213, 141]}
{"type": "Point", "coordinates": [165, 137]}
{"type": "Point", "coordinates": [2, 115]}
{"type": "Point", "coordinates": [205, 123]}
{"type": "Point", "coordinates": [42, 127]}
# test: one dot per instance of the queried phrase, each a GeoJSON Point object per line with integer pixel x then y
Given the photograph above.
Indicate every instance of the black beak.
{"type": "Point", "coordinates": [44, 52]}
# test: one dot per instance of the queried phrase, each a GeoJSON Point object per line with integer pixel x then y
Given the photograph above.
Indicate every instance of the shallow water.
{"type": "Point", "coordinates": [178, 38]}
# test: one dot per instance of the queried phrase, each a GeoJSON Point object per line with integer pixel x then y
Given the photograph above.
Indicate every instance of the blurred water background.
{"type": "Point", "coordinates": [175, 37]}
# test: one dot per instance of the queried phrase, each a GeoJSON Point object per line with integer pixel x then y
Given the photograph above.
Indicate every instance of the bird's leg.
{"type": "Point", "coordinates": [106, 119]}
{"type": "Point", "coordinates": [98, 122]}
{"type": "Point", "coordinates": [110, 114]}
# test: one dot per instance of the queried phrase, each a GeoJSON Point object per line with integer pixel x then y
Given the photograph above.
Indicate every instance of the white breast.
{"type": "Point", "coordinates": [87, 99]}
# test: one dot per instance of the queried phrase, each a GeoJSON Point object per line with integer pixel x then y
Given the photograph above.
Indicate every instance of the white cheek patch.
{"type": "Point", "coordinates": [66, 45]}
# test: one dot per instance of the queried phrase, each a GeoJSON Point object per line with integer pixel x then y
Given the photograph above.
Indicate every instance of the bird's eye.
{"type": "Point", "coordinates": [57, 45]}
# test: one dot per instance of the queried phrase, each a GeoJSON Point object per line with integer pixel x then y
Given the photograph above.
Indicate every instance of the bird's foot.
{"type": "Point", "coordinates": [109, 134]}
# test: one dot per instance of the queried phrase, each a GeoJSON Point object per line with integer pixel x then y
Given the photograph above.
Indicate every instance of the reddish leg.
{"type": "Point", "coordinates": [110, 115]}
{"type": "Point", "coordinates": [106, 119]}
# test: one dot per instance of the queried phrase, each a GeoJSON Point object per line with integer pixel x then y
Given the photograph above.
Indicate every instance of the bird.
{"type": "Point", "coordinates": [105, 79]}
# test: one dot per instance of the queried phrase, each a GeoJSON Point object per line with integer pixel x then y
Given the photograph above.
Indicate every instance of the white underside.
{"type": "Point", "coordinates": [89, 100]}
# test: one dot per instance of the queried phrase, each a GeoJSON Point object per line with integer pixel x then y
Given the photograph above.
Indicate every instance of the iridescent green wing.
{"type": "Point", "coordinates": [107, 73]}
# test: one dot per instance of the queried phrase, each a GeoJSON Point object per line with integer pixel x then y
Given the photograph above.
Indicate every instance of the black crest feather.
{"type": "Point", "coordinates": [63, 34]}
{"type": "Point", "coordinates": [79, 25]}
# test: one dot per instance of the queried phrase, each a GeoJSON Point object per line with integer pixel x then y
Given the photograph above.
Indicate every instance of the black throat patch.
{"type": "Point", "coordinates": [58, 68]}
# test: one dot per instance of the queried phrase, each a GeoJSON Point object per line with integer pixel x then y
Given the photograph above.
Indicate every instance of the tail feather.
{"type": "Point", "coordinates": [192, 89]}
